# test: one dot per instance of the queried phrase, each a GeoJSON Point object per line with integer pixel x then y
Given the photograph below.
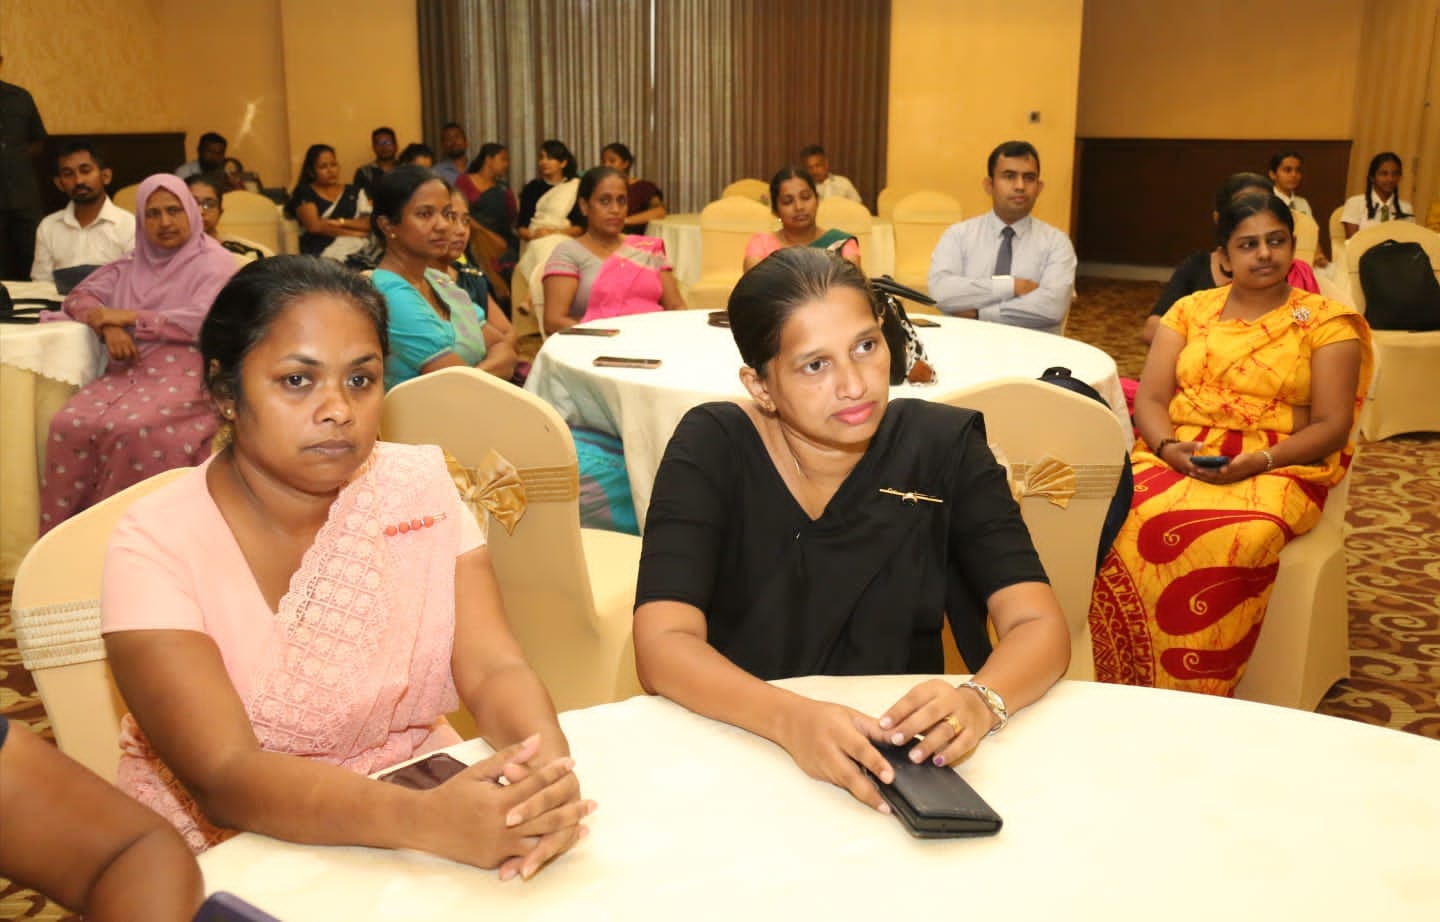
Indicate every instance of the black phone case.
{"type": "Point", "coordinates": [430, 772]}
{"type": "Point", "coordinates": [934, 802]}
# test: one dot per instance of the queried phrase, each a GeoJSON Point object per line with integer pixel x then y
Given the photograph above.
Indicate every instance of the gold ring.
{"type": "Point", "coordinates": [954, 724]}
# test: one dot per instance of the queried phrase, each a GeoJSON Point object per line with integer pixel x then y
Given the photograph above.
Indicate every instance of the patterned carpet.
{"type": "Point", "coordinates": [1392, 553]}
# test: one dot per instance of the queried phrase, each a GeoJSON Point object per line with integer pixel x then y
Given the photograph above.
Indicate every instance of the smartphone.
{"type": "Point", "coordinates": [430, 772]}
{"type": "Point", "coordinates": [589, 331]}
{"type": "Point", "coordinates": [922, 321]}
{"type": "Point", "coordinates": [227, 907]}
{"type": "Point", "coordinates": [620, 361]}
{"type": "Point", "coordinates": [932, 801]}
{"type": "Point", "coordinates": [1212, 461]}
{"type": "Point", "coordinates": [718, 319]}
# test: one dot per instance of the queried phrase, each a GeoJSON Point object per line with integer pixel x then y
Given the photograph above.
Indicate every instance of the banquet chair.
{"type": "Point", "coordinates": [1400, 397]}
{"type": "Point", "coordinates": [1034, 424]}
{"type": "Point", "coordinates": [125, 196]}
{"type": "Point", "coordinates": [568, 591]}
{"type": "Point", "coordinates": [726, 226]}
{"type": "Point", "coordinates": [851, 217]}
{"type": "Point", "coordinates": [253, 217]}
{"type": "Point", "coordinates": [757, 190]}
{"type": "Point", "coordinates": [1337, 239]}
{"type": "Point", "coordinates": [1307, 237]}
{"type": "Point", "coordinates": [1304, 643]}
{"type": "Point", "coordinates": [1432, 217]}
{"type": "Point", "coordinates": [920, 218]}
{"type": "Point", "coordinates": [889, 197]}
{"type": "Point", "coordinates": [527, 304]}
{"type": "Point", "coordinates": [56, 611]}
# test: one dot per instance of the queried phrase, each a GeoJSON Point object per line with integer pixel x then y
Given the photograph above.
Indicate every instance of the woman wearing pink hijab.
{"type": "Point", "coordinates": [148, 412]}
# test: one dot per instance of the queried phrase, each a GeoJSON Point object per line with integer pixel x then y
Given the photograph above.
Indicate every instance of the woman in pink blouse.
{"type": "Point", "coordinates": [303, 609]}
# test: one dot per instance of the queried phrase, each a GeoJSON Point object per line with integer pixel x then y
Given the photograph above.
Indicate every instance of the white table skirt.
{"type": "Point", "coordinates": [1119, 803]}
{"type": "Point", "coordinates": [681, 234]}
{"type": "Point", "coordinates": [41, 367]}
{"type": "Point", "coordinates": [701, 364]}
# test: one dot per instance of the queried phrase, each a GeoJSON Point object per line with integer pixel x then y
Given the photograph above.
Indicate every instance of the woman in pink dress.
{"type": "Point", "coordinates": [148, 412]}
{"type": "Point", "coordinates": [304, 608]}
{"type": "Point", "coordinates": [606, 272]}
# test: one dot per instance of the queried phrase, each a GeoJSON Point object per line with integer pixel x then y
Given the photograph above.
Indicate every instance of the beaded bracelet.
{"type": "Point", "coordinates": [1269, 458]}
{"type": "Point", "coordinates": [1160, 449]}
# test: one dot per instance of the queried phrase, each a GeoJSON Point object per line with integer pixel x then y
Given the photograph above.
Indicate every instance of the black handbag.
{"type": "Point", "coordinates": [12, 311]}
{"type": "Point", "coordinates": [908, 361]}
{"type": "Point", "coordinates": [1400, 288]}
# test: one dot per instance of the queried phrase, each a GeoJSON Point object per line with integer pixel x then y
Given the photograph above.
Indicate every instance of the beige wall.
{"type": "Point", "coordinates": [349, 71]}
{"type": "Point", "coordinates": [950, 103]}
{"type": "Point", "coordinates": [273, 76]}
{"type": "Point", "coordinates": [92, 66]}
{"type": "Point", "coordinates": [1231, 69]}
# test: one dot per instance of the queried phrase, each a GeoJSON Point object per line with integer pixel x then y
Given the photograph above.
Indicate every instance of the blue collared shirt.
{"type": "Point", "coordinates": [962, 272]}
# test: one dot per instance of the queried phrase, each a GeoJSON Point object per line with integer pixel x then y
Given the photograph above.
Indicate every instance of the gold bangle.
{"type": "Point", "coordinates": [1269, 459]}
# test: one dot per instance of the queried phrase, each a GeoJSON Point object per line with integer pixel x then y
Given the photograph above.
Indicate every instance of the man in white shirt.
{"type": "Point", "coordinates": [1006, 266]}
{"type": "Point", "coordinates": [210, 156]}
{"type": "Point", "coordinates": [826, 183]}
{"type": "Point", "coordinates": [91, 230]}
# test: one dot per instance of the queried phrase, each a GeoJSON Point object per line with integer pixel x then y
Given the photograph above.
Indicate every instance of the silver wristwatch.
{"type": "Point", "coordinates": [993, 701]}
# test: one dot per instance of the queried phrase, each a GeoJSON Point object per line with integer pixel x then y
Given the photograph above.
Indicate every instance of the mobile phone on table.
{"type": "Point", "coordinates": [916, 321]}
{"type": "Point", "coordinates": [227, 907]}
{"type": "Point", "coordinates": [429, 772]}
{"type": "Point", "coordinates": [589, 331]}
{"type": "Point", "coordinates": [620, 361]}
{"type": "Point", "coordinates": [1211, 461]}
{"type": "Point", "coordinates": [932, 801]}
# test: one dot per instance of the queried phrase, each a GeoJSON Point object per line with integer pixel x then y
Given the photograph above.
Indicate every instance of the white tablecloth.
{"type": "Point", "coordinates": [681, 233]}
{"type": "Point", "coordinates": [701, 364]}
{"type": "Point", "coordinates": [1119, 803]}
{"type": "Point", "coordinates": [41, 366]}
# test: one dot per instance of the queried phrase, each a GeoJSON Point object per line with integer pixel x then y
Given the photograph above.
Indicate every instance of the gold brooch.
{"type": "Point", "coordinates": [911, 497]}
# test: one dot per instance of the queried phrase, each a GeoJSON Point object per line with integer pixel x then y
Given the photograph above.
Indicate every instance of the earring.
{"type": "Point", "coordinates": [392, 236]}
{"type": "Point", "coordinates": [229, 412]}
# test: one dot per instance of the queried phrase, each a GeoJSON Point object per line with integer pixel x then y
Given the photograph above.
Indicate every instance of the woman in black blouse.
{"type": "Point", "coordinates": [821, 529]}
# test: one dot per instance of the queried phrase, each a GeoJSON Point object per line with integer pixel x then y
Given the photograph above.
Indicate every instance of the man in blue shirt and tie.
{"type": "Point", "coordinates": [1006, 266]}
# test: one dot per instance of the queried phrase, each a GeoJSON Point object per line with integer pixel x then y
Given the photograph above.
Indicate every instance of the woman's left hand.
{"type": "Point", "coordinates": [1241, 467]}
{"type": "Point", "coordinates": [924, 711]}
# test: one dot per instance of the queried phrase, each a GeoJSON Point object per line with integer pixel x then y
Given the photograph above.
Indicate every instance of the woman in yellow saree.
{"type": "Point", "coordinates": [1268, 378]}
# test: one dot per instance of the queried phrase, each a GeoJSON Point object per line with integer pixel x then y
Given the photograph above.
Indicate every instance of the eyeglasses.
{"type": "Point", "coordinates": [208, 204]}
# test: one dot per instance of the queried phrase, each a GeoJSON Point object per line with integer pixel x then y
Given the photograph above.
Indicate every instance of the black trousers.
{"type": "Point", "coordinates": [17, 242]}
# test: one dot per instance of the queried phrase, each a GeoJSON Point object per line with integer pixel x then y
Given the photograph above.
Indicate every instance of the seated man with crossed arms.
{"type": "Point", "coordinates": [1006, 266]}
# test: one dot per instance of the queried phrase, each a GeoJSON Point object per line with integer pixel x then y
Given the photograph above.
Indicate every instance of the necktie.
{"type": "Point", "coordinates": [1384, 212]}
{"type": "Point", "coordinates": [1007, 251]}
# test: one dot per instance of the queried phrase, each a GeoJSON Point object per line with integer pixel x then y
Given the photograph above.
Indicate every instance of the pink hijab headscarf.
{"type": "Point", "coordinates": [181, 283]}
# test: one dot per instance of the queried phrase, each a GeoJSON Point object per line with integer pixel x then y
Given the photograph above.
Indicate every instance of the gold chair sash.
{"type": "Point", "coordinates": [1048, 478]}
{"type": "Point", "coordinates": [502, 490]}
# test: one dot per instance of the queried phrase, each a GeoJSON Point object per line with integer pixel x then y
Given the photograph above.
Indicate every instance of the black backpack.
{"type": "Point", "coordinates": [1400, 288]}
{"type": "Point", "coordinates": [1124, 490]}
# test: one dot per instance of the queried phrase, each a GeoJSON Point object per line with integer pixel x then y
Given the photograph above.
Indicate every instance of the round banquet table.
{"type": "Point", "coordinates": [681, 234]}
{"type": "Point", "coordinates": [1118, 802]}
{"type": "Point", "coordinates": [700, 363]}
{"type": "Point", "coordinates": [41, 366]}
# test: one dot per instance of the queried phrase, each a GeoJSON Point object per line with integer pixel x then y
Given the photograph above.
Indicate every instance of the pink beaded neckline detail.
{"type": "Point", "coordinates": [424, 521]}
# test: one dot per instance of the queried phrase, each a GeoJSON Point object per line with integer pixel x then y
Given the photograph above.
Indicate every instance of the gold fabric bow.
{"type": "Point", "coordinates": [495, 487]}
{"type": "Point", "coordinates": [1049, 478]}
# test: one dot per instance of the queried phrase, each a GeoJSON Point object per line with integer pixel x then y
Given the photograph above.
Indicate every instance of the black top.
{"type": "Point", "coordinates": [1192, 275]}
{"type": "Point", "coordinates": [20, 126]}
{"type": "Point", "coordinates": [368, 177]}
{"type": "Point", "coordinates": [4, 729]}
{"type": "Point", "coordinates": [531, 194]}
{"type": "Point", "coordinates": [348, 206]}
{"type": "Point", "coordinates": [865, 588]}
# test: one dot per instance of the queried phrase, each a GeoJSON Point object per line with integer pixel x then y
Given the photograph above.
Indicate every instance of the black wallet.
{"type": "Point", "coordinates": [430, 772]}
{"type": "Point", "coordinates": [934, 802]}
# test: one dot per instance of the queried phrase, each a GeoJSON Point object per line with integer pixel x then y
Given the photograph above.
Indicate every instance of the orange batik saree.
{"type": "Point", "coordinates": [1180, 598]}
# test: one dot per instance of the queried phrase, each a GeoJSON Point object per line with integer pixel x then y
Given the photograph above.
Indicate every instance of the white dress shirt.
{"type": "Point", "coordinates": [962, 272]}
{"type": "Point", "coordinates": [1297, 203]}
{"type": "Point", "coordinates": [189, 168]}
{"type": "Point", "coordinates": [1356, 214]}
{"type": "Point", "coordinates": [60, 241]}
{"type": "Point", "coordinates": [839, 186]}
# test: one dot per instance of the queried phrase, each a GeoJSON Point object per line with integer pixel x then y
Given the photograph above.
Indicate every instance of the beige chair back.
{"type": "Point", "coordinates": [920, 218]}
{"type": "Point", "coordinates": [56, 610]}
{"type": "Point", "coordinates": [1307, 237]}
{"type": "Point", "coordinates": [1368, 237]}
{"type": "Point", "coordinates": [851, 217]}
{"type": "Point", "coordinates": [1337, 233]}
{"type": "Point", "coordinates": [1031, 421]}
{"type": "Point", "coordinates": [889, 197]}
{"type": "Point", "coordinates": [252, 217]}
{"type": "Point", "coordinates": [726, 226]}
{"type": "Point", "coordinates": [582, 658]}
{"type": "Point", "coordinates": [756, 190]}
{"type": "Point", "coordinates": [125, 197]}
